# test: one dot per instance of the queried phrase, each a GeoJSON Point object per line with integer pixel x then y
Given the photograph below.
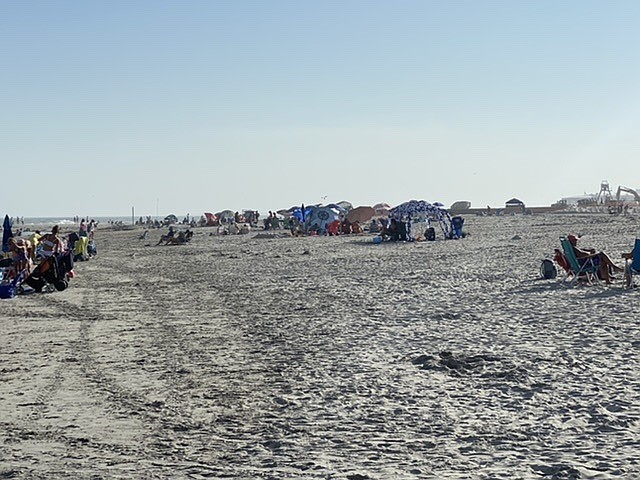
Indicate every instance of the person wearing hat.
{"type": "Point", "coordinates": [607, 267]}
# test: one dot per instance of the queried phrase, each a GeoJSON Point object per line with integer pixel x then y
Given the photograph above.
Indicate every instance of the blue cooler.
{"type": "Point", "coordinates": [7, 291]}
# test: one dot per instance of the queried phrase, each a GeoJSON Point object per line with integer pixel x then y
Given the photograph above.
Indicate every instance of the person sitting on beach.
{"type": "Point", "coordinates": [29, 245]}
{"type": "Point", "coordinates": [607, 267]}
{"type": "Point", "coordinates": [333, 228]}
{"type": "Point", "coordinates": [384, 229]}
{"type": "Point", "coordinates": [167, 238]}
{"type": "Point", "coordinates": [34, 238]}
{"type": "Point", "coordinates": [374, 227]}
{"type": "Point", "coordinates": [295, 226]}
{"type": "Point", "coordinates": [51, 243]}
{"type": "Point", "coordinates": [181, 238]}
{"type": "Point", "coordinates": [402, 230]}
{"type": "Point", "coordinates": [390, 231]}
{"type": "Point", "coordinates": [20, 255]}
{"type": "Point", "coordinates": [356, 228]}
{"type": "Point", "coordinates": [628, 259]}
{"type": "Point", "coordinates": [234, 229]}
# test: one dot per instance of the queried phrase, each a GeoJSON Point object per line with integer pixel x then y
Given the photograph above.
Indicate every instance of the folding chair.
{"type": "Point", "coordinates": [586, 267]}
{"type": "Point", "coordinates": [632, 266]}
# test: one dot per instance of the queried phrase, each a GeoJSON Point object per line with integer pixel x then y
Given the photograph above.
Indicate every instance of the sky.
{"type": "Point", "coordinates": [191, 106]}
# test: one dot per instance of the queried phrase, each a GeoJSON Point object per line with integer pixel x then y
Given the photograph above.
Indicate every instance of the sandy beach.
{"type": "Point", "coordinates": [326, 358]}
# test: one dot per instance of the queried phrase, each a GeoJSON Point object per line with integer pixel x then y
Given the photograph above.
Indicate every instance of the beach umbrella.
{"type": "Point", "coordinates": [335, 206]}
{"type": "Point", "coordinates": [361, 214]}
{"type": "Point", "coordinates": [226, 214]}
{"type": "Point", "coordinates": [301, 214]}
{"type": "Point", "coordinates": [169, 219]}
{"type": "Point", "coordinates": [347, 206]}
{"type": "Point", "coordinates": [382, 209]}
{"type": "Point", "coordinates": [6, 233]}
{"type": "Point", "coordinates": [412, 208]}
{"type": "Point", "coordinates": [321, 216]}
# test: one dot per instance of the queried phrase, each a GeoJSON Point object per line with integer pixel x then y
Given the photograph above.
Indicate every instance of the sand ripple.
{"type": "Point", "coordinates": [327, 358]}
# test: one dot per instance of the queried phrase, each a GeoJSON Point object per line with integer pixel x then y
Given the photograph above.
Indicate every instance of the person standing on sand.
{"type": "Point", "coordinates": [20, 255]}
{"type": "Point", "coordinates": [83, 228]}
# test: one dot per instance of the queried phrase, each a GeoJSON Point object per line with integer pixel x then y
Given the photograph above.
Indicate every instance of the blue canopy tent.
{"type": "Point", "coordinates": [416, 209]}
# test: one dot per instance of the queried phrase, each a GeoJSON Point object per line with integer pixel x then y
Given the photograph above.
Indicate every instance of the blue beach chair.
{"type": "Point", "coordinates": [586, 268]}
{"type": "Point", "coordinates": [632, 266]}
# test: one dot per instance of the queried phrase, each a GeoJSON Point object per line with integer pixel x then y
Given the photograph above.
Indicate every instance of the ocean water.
{"type": "Point", "coordinates": [66, 224]}
{"type": "Point", "coordinates": [68, 221]}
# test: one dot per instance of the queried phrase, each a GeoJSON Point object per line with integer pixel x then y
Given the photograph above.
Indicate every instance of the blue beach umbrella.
{"type": "Point", "coordinates": [321, 216]}
{"type": "Point", "coordinates": [301, 213]}
{"type": "Point", "coordinates": [6, 233]}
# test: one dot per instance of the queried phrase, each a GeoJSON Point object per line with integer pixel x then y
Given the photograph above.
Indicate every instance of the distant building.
{"type": "Point", "coordinates": [514, 206]}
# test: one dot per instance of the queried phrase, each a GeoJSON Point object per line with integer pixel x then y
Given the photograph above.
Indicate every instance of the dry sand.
{"type": "Point", "coordinates": [326, 358]}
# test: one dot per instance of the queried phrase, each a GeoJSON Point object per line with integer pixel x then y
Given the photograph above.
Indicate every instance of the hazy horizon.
{"type": "Point", "coordinates": [264, 211]}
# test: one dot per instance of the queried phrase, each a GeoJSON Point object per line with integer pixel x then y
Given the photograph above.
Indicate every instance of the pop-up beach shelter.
{"type": "Point", "coordinates": [211, 219]}
{"type": "Point", "coordinates": [320, 217]}
{"type": "Point", "coordinates": [419, 209]}
{"type": "Point", "coordinates": [225, 215]}
{"type": "Point", "coordinates": [170, 219]}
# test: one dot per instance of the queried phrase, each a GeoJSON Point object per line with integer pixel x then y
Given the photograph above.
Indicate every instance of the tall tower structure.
{"type": "Point", "coordinates": [604, 195]}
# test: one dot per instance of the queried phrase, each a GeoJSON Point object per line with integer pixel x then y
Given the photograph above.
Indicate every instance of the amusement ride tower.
{"type": "Point", "coordinates": [604, 195]}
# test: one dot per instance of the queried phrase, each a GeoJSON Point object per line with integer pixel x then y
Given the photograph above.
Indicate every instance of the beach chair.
{"type": "Point", "coordinates": [586, 268]}
{"type": "Point", "coordinates": [632, 266]}
{"type": "Point", "coordinates": [11, 280]}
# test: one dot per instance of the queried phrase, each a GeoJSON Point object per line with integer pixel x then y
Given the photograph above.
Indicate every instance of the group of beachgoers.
{"type": "Point", "coordinates": [606, 268]}
{"type": "Point", "coordinates": [40, 259]}
{"type": "Point", "coordinates": [388, 229]}
{"type": "Point", "coordinates": [172, 237]}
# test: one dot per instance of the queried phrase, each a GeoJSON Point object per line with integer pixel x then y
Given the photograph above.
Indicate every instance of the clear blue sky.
{"type": "Point", "coordinates": [192, 106]}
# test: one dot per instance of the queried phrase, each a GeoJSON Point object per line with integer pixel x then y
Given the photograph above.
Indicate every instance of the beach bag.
{"type": "Point", "coordinates": [7, 290]}
{"type": "Point", "coordinates": [548, 269]}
